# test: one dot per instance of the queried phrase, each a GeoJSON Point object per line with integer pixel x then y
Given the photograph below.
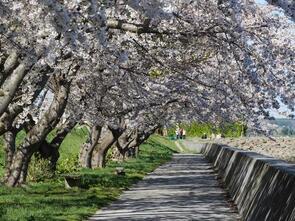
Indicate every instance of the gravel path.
{"type": "Point", "coordinates": [183, 189]}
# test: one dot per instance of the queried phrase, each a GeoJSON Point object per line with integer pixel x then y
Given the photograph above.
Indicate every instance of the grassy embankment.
{"type": "Point", "coordinates": [196, 129]}
{"type": "Point", "coordinates": [49, 200]}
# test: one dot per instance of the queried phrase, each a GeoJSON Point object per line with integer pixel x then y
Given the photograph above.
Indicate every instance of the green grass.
{"type": "Point", "coordinates": [51, 201]}
{"type": "Point", "coordinates": [197, 129]}
{"type": "Point", "coordinates": [165, 141]}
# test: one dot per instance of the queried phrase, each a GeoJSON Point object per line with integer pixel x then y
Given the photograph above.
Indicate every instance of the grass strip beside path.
{"type": "Point", "coordinates": [51, 201]}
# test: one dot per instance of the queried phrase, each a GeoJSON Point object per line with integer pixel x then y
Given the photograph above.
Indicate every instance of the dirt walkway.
{"type": "Point", "coordinates": [183, 189]}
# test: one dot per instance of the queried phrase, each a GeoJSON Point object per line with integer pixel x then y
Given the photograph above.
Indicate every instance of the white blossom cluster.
{"type": "Point", "coordinates": [162, 61]}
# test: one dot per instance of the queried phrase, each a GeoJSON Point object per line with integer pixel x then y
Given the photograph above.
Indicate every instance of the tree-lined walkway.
{"type": "Point", "coordinates": [183, 189]}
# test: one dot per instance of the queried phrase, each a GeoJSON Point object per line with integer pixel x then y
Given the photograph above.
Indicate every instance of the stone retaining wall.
{"type": "Point", "coordinates": [262, 187]}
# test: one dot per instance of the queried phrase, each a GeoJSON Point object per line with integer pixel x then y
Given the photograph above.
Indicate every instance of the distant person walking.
{"type": "Point", "coordinates": [180, 133]}
{"type": "Point", "coordinates": [177, 133]}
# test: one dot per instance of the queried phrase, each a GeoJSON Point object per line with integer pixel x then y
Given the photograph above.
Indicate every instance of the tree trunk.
{"type": "Point", "coordinates": [17, 167]}
{"type": "Point", "coordinates": [58, 139]}
{"type": "Point", "coordinates": [9, 65]}
{"type": "Point", "coordinates": [121, 152]}
{"type": "Point", "coordinates": [11, 84]}
{"type": "Point", "coordinates": [102, 147]}
{"type": "Point", "coordinates": [139, 138]}
{"type": "Point", "coordinates": [129, 148]}
{"type": "Point", "coordinates": [6, 120]}
{"type": "Point", "coordinates": [118, 153]}
{"type": "Point", "coordinates": [133, 151]}
{"type": "Point", "coordinates": [18, 170]}
{"type": "Point", "coordinates": [3, 58]}
{"type": "Point", "coordinates": [122, 145]}
{"type": "Point", "coordinates": [99, 156]}
{"type": "Point", "coordinates": [24, 169]}
{"type": "Point", "coordinates": [88, 147]}
{"type": "Point", "coordinates": [133, 148]}
{"type": "Point", "coordinates": [50, 150]}
{"type": "Point", "coordinates": [9, 146]}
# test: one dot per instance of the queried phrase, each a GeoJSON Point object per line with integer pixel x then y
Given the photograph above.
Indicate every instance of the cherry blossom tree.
{"type": "Point", "coordinates": [129, 67]}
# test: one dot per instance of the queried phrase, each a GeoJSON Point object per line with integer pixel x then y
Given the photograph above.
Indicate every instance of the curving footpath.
{"type": "Point", "coordinates": [183, 189]}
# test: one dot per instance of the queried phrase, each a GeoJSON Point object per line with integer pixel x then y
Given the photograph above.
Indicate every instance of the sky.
{"type": "Point", "coordinates": [262, 2]}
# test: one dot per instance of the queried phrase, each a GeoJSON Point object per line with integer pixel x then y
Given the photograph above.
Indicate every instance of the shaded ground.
{"type": "Point", "coordinates": [183, 189]}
